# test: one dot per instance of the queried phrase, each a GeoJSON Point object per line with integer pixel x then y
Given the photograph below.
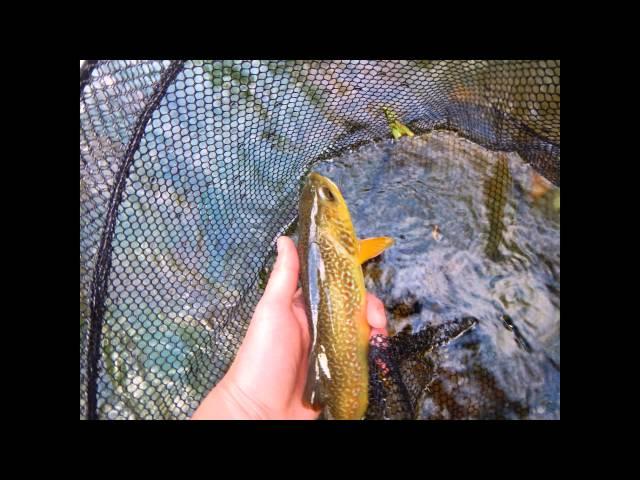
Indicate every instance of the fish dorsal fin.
{"type": "Point", "coordinates": [372, 247]}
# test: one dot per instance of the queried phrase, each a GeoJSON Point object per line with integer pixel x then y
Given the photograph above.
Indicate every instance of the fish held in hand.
{"type": "Point", "coordinates": [335, 300]}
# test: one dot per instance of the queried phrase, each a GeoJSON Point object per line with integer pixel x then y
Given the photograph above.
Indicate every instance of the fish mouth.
{"type": "Point", "coordinates": [316, 180]}
{"type": "Point", "coordinates": [315, 177]}
{"type": "Point", "coordinates": [320, 188]}
{"type": "Point", "coordinates": [313, 183]}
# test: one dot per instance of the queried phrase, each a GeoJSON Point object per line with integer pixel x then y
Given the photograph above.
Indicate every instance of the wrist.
{"type": "Point", "coordinates": [227, 401]}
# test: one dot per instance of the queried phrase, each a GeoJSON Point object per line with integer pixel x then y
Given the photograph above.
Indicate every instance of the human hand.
{"type": "Point", "coordinates": [268, 375]}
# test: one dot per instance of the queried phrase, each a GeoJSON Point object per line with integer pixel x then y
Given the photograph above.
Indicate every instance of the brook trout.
{"type": "Point", "coordinates": [335, 300]}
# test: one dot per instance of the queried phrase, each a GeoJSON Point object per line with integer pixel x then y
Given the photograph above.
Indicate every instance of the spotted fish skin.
{"type": "Point", "coordinates": [335, 302]}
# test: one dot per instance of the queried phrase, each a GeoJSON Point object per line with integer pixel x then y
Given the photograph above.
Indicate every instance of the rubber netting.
{"type": "Point", "coordinates": [190, 170]}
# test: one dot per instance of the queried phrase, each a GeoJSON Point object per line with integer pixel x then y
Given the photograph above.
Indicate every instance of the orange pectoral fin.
{"type": "Point", "coordinates": [372, 247]}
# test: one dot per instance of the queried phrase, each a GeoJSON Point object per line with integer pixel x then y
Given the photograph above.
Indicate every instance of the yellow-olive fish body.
{"type": "Point", "coordinates": [333, 286]}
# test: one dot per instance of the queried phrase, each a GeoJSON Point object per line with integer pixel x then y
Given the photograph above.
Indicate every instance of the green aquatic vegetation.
{"type": "Point", "coordinates": [114, 365]}
{"type": "Point", "coordinates": [127, 361]}
{"type": "Point", "coordinates": [263, 278]}
{"type": "Point", "coordinates": [313, 93]}
{"type": "Point", "coordinates": [496, 194]}
{"type": "Point", "coordinates": [117, 371]}
{"type": "Point", "coordinates": [279, 142]}
{"type": "Point", "coordinates": [241, 80]}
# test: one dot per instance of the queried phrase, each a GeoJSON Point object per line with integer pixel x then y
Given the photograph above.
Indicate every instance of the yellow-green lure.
{"type": "Point", "coordinates": [397, 128]}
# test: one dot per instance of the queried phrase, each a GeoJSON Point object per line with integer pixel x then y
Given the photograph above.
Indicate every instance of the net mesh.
{"type": "Point", "coordinates": [190, 170]}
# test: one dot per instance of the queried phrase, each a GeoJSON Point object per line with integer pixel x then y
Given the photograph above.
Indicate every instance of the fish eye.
{"type": "Point", "coordinates": [326, 194]}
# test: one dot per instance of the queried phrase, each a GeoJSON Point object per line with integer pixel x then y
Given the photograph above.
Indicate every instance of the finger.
{"type": "Point", "coordinates": [298, 308]}
{"type": "Point", "coordinates": [284, 277]}
{"type": "Point", "coordinates": [298, 300]}
{"type": "Point", "coordinates": [375, 312]}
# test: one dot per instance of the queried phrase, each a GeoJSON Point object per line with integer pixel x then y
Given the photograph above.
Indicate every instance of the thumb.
{"type": "Point", "coordinates": [376, 316]}
{"type": "Point", "coordinates": [283, 281]}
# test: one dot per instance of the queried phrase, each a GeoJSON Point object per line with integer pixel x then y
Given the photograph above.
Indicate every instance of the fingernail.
{"type": "Point", "coordinates": [279, 245]}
